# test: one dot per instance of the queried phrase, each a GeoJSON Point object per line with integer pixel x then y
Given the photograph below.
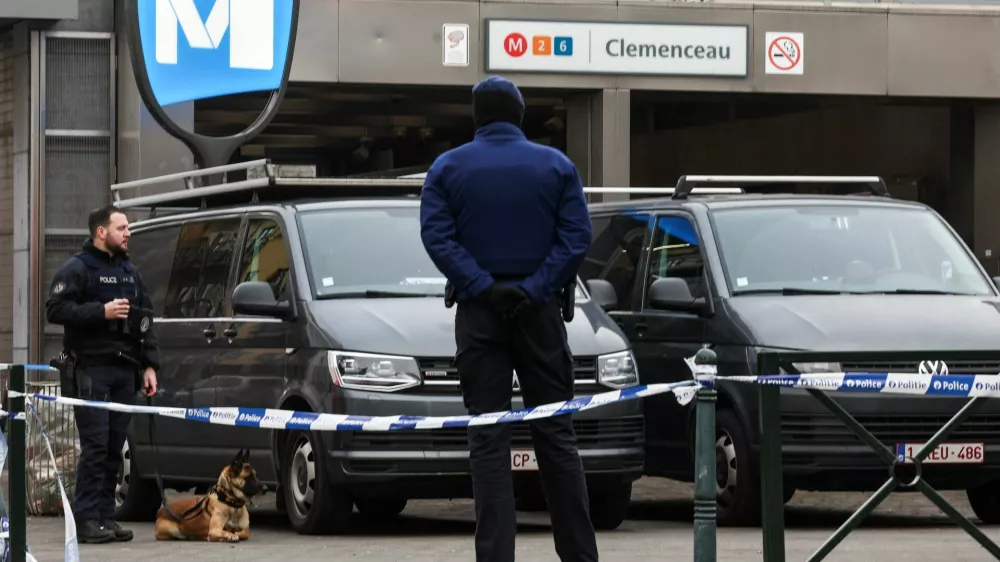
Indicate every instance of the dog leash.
{"type": "Point", "coordinates": [195, 510]}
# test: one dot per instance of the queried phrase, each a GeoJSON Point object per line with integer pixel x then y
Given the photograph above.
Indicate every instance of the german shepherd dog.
{"type": "Point", "coordinates": [221, 515]}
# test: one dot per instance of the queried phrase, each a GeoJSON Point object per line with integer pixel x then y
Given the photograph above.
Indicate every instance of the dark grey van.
{"type": "Point", "coordinates": [750, 272]}
{"type": "Point", "coordinates": [320, 298]}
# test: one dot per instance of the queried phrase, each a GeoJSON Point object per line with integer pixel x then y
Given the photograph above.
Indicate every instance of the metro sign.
{"type": "Point", "coordinates": [196, 49]}
{"type": "Point", "coordinates": [187, 50]}
{"type": "Point", "coordinates": [516, 45]}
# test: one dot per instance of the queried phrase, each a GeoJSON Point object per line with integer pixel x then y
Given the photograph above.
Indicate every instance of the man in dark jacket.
{"type": "Point", "coordinates": [506, 221]}
{"type": "Point", "coordinates": [101, 302]}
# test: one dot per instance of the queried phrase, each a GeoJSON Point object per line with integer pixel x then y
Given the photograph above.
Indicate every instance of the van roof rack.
{"type": "Point", "coordinates": [260, 180]}
{"type": "Point", "coordinates": [686, 184]}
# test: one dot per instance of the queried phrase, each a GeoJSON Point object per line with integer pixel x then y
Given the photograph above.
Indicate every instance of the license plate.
{"type": "Point", "coordinates": [946, 453]}
{"type": "Point", "coordinates": [523, 460]}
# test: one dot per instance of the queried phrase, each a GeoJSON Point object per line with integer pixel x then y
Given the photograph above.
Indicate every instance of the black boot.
{"type": "Point", "coordinates": [121, 535]}
{"type": "Point", "coordinates": [91, 532]}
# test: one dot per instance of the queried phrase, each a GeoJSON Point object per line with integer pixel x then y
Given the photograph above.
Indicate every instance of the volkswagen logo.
{"type": "Point", "coordinates": [933, 368]}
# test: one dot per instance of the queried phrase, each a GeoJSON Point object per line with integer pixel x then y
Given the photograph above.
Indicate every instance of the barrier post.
{"type": "Point", "coordinates": [18, 492]}
{"type": "Point", "coordinates": [705, 484]}
{"type": "Point", "coordinates": [772, 504]}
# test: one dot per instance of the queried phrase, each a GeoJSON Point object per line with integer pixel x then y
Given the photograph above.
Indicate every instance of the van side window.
{"type": "Point", "coordinates": [200, 270]}
{"type": "Point", "coordinates": [264, 257]}
{"type": "Point", "coordinates": [152, 252]}
{"type": "Point", "coordinates": [676, 252]}
{"type": "Point", "coordinates": [614, 252]}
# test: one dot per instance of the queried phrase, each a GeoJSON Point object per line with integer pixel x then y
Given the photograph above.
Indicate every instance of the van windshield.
{"type": "Point", "coordinates": [821, 248]}
{"type": "Point", "coordinates": [369, 252]}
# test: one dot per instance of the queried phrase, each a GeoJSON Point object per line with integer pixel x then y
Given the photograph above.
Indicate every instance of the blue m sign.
{"type": "Point", "coordinates": [194, 49]}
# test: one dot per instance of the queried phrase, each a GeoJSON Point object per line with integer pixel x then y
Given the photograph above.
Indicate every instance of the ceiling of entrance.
{"type": "Point", "coordinates": [352, 129]}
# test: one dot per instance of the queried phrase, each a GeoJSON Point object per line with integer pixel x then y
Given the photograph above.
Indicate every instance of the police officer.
{"type": "Point", "coordinates": [102, 303]}
{"type": "Point", "coordinates": [506, 221]}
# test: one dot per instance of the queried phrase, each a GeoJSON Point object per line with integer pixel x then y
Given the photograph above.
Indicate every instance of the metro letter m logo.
{"type": "Point", "coordinates": [250, 24]}
{"type": "Point", "coordinates": [515, 45]}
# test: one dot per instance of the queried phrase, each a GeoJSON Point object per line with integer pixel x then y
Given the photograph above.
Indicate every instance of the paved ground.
{"type": "Point", "coordinates": [659, 528]}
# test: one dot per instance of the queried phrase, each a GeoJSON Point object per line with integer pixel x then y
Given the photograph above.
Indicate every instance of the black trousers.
{"type": "Point", "coordinates": [489, 349]}
{"type": "Point", "coordinates": [102, 436]}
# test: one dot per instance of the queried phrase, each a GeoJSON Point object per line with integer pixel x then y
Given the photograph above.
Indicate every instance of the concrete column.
{"type": "Point", "coordinates": [25, 161]}
{"type": "Point", "coordinates": [599, 133]}
{"type": "Point", "coordinates": [959, 201]}
{"type": "Point", "coordinates": [986, 187]}
{"type": "Point", "coordinates": [612, 142]}
{"type": "Point", "coordinates": [144, 148]}
{"type": "Point", "coordinates": [579, 134]}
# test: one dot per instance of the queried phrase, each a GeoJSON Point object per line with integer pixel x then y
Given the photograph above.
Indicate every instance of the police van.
{"type": "Point", "coordinates": [316, 295]}
{"type": "Point", "coordinates": [749, 272]}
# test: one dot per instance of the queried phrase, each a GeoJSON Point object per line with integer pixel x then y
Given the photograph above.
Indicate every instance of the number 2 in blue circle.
{"type": "Point", "coordinates": [562, 46]}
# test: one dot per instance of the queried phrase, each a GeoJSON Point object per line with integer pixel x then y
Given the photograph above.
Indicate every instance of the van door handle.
{"type": "Point", "coordinates": [230, 332]}
{"type": "Point", "coordinates": [641, 327]}
{"type": "Point", "coordinates": [209, 333]}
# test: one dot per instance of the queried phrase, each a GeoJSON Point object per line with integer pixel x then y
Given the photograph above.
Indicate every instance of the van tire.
{"type": "Point", "coordinates": [985, 502]}
{"type": "Point", "coordinates": [314, 504]}
{"type": "Point", "coordinates": [609, 504]}
{"type": "Point", "coordinates": [136, 499]}
{"type": "Point", "coordinates": [738, 503]}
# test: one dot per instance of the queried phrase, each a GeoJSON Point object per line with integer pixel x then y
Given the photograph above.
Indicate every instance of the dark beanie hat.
{"type": "Point", "coordinates": [497, 99]}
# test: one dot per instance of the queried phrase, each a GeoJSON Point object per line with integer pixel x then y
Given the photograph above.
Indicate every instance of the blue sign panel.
{"type": "Point", "coordinates": [195, 49]}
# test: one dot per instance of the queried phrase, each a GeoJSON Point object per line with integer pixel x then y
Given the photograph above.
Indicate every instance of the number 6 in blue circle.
{"type": "Point", "coordinates": [563, 46]}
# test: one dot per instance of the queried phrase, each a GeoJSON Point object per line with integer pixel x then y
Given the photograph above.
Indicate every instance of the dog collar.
{"type": "Point", "coordinates": [229, 501]}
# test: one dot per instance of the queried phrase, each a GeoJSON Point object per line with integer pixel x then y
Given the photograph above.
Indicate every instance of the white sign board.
{"type": "Point", "coordinates": [783, 52]}
{"type": "Point", "coordinates": [617, 48]}
{"type": "Point", "coordinates": [455, 44]}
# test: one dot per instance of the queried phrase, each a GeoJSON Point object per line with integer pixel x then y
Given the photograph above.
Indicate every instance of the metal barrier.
{"type": "Point", "coordinates": [978, 388]}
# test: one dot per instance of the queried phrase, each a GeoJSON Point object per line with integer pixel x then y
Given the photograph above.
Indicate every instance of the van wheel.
{"type": "Point", "coordinates": [985, 502]}
{"type": "Point", "coordinates": [313, 503]}
{"type": "Point", "coordinates": [737, 477]}
{"type": "Point", "coordinates": [380, 507]}
{"type": "Point", "coordinates": [136, 499]}
{"type": "Point", "coordinates": [609, 504]}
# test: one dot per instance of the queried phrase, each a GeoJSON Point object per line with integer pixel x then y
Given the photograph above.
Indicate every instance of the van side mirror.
{"type": "Point", "coordinates": [603, 293]}
{"type": "Point", "coordinates": [672, 293]}
{"type": "Point", "coordinates": [257, 299]}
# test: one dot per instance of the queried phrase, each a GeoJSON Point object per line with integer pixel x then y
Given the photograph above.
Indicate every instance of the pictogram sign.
{"type": "Point", "coordinates": [783, 53]}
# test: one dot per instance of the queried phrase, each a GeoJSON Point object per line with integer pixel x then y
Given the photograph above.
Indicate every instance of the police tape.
{"type": "Point", "coordinates": [267, 418]}
{"type": "Point", "coordinates": [955, 386]}
{"type": "Point", "coordinates": [72, 548]}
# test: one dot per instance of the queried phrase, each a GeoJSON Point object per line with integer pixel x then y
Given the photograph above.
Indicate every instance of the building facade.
{"type": "Point", "coordinates": [635, 92]}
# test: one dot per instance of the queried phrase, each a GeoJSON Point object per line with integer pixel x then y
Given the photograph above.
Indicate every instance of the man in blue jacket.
{"type": "Point", "coordinates": [506, 221]}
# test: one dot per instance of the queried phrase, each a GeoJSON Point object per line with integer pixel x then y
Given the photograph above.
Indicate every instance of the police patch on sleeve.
{"type": "Point", "coordinates": [144, 325]}
{"type": "Point", "coordinates": [58, 288]}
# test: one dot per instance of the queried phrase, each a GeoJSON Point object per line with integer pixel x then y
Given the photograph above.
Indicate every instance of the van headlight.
{"type": "Point", "coordinates": [371, 371]}
{"type": "Point", "coordinates": [815, 367]}
{"type": "Point", "coordinates": [617, 370]}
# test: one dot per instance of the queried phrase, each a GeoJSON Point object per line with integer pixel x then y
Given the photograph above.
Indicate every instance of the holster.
{"type": "Point", "coordinates": [66, 363]}
{"type": "Point", "coordinates": [567, 300]}
{"type": "Point", "coordinates": [449, 295]}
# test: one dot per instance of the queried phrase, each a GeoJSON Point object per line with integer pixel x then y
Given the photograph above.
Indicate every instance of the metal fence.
{"type": "Point", "coordinates": [42, 491]}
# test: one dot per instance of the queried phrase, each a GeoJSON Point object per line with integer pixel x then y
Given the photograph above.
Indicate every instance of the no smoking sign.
{"type": "Point", "coordinates": [783, 52]}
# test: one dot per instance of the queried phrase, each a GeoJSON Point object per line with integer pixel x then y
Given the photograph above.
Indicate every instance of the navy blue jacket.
{"type": "Point", "coordinates": [79, 290]}
{"type": "Point", "coordinates": [503, 206]}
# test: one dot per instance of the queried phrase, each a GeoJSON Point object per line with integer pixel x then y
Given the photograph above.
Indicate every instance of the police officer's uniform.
{"type": "Point", "coordinates": [506, 221]}
{"type": "Point", "coordinates": [110, 357]}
